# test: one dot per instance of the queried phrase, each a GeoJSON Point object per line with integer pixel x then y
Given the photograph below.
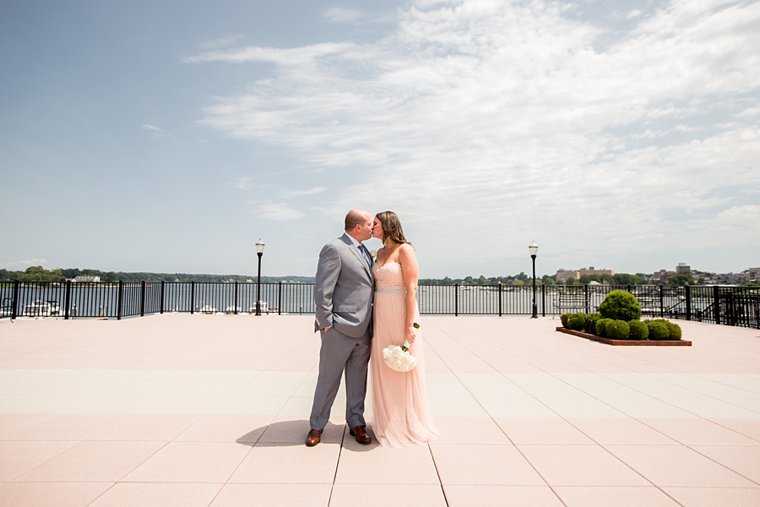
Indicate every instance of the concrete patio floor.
{"type": "Point", "coordinates": [213, 410]}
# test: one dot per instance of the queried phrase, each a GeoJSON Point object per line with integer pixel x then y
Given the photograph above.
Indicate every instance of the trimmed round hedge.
{"type": "Point", "coordinates": [674, 329]}
{"type": "Point", "coordinates": [601, 327]}
{"type": "Point", "coordinates": [639, 330]}
{"type": "Point", "coordinates": [658, 330]}
{"type": "Point", "coordinates": [576, 321]}
{"type": "Point", "coordinates": [617, 330]}
{"type": "Point", "coordinates": [620, 305]}
{"type": "Point", "coordinates": [591, 321]}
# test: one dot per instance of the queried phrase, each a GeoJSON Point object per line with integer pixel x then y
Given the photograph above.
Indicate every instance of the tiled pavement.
{"type": "Point", "coordinates": [212, 410]}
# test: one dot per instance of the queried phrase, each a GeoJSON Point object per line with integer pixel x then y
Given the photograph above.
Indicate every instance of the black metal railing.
{"type": "Point", "coordinates": [736, 306]}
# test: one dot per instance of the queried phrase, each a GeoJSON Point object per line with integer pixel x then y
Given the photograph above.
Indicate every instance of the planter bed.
{"type": "Point", "coordinates": [609, 341]}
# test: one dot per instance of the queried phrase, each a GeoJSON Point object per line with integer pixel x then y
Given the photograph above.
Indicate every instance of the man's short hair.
{"type": "Point", "coordinates": [354, 218]}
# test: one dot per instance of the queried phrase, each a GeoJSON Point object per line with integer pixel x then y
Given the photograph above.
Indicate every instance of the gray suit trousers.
{"type": "Point", "coordinates": [337, 351]}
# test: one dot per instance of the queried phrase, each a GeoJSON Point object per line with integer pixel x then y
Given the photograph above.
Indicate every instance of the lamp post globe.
{"type": "Point", "coordinates": [533, 249]}
{"type": "Point", "coordinates": [259, 253]}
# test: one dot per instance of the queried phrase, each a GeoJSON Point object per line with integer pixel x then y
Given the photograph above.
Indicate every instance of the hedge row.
{"type": "Point", "coordinates": [617, 329]}
{"type": "Point", "coordinates": [618, 319]}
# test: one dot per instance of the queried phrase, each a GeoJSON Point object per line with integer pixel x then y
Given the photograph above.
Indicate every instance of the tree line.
{"type": "Point", "coordinates": [40, 274]}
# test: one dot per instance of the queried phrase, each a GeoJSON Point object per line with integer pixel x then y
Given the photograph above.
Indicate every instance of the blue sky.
{"type": "Point", "coordinates": [169, 136]}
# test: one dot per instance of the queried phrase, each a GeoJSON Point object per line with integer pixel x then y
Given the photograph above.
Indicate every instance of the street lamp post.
{"type": "Point", "coordinates": [533, 249]}
{"type": "Point", "coordinates": [259, 252]}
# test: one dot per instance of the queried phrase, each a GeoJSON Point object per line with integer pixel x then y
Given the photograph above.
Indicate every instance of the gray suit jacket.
{"type": "Point", "coordinates": [343, 289]}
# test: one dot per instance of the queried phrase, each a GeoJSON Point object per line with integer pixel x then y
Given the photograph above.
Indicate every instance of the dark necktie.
{"type": "Point", "coordinates": [365, 252]}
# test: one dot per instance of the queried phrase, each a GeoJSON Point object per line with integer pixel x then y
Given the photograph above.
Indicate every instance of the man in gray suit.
{"type": "Point", "coordinates": [343, 296]}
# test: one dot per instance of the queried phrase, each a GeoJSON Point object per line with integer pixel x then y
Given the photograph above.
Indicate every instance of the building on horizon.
{"type": "Point", "coordinates": [683, 268]}
{"type": "Point", "coordinates": [563, 275]}
{"type": "Point", "coordinates": [86, 279]}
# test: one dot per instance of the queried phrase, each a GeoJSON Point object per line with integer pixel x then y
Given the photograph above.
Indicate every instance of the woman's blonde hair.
{"type": "Point", "coordinates": [391, 227]}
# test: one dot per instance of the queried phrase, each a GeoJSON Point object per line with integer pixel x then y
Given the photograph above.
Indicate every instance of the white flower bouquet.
{"type": "Point", "coordinates": [398, 358]}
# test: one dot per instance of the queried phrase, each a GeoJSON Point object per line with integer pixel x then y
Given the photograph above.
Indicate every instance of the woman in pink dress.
{"type": "Point", "coordinates": [400, 410]}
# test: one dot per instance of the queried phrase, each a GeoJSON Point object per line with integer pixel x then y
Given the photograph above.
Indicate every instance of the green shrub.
{"type": "Point", "coordinates": [658, 330]}
{"type": "Point", "coordinates": [675, 330]}
{"type": "Point", "coordinates": [601, 327]}
{"type": "Point", "coordinates": [617, 330]}
{"type": "Point", "coordinates": [577, 321]}
{"type": "Point", "coordinates": [620, 305]}
{"type": "Point", "coordinates": [639, 330]}
{"type": "Point", "coordinates": [563, 319]}
{"type": "Point", "coordinates": [591, 322]}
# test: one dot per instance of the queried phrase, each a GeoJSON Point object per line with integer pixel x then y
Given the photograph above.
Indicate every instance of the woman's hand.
{"type": "Point", "coordinates": [411, 334]}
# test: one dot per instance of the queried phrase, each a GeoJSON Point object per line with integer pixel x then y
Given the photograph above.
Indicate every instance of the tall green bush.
{"type": "Point", "coordinates": [620, 305]}
{"type": "Point", "coordinates": [563, 319]}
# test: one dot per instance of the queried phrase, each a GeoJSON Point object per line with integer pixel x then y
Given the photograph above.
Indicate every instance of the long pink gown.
{"type": "Point", "coordinates": [400, 411]}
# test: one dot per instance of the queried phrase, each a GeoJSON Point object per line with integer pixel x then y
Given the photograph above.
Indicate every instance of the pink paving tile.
{"type": "Point", "coordinates": [295, 431]}
{"type": "Point", "coordinates": [161, 427]}
{"type": "Point", "coordinates": [501, 496]}
{"type": "Point", "coordinates": [382, 495]}
{"type": "Point", "coordinates": [582, 407]}
{"type": "Point", "coordinates": [529, 408]}
{"type": "Point", "coordinates": [300, 407]}
{"type": "Point", "coordinates": [372, 464]}
{"type": "Point", "coordinates": [744, 460]}
{"type": "Point", "coordinates": [274, 495]}
{"type": "Point", "coordinates": [677, 466]}
{"type": "Point", "coordinates": [45, 494]}
{"type": "Point", "coordinates": [470, 430]}
{"type": "Point", "coordinates": [226, 428]}
{"type": "Point", "coordinates": [257, 387]}
{"type": "Point", "coordinates": [699, 431]}
{"type": "Point", "coordinates": [542, 431]}
{"type": "Point", "coordinates": [710, 497]}
{"type": "Point", "coordinates": [483, 464]}
{"type": "Point", "coordinates": [191, 462]}
{"type": "Point", "coordinates": [289, 463]}
{"type": "Point", "coordinates": [165, 495]}
{"type": "Point", "coordinates": [92, 461]}
{"type": "Point", "coordinates": [620, 431]}
{"type": "Point", "coordinates": [580, 465]}
{"type": "Point", "coordinates": [18, 457]}
{"type": "Point", "coordinates": [13, 425]}
{"type": "Point", "coordinates": [250, 405]}
{"type": "Point", "coordinates": [582, 496]}
{"type": "Point", "coordinates": [747, 427]}
{"type": "Point", "coordinates": [69, 427]}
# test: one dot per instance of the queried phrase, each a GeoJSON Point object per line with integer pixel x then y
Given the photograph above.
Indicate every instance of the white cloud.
{"type": "Point", "coordinates": [277, 211]}
{"type": "Point", "coordinates": [289, 56]}
{"type": "Point", "coordinates": [635, 13]}
{"type": "Point", "coordinates": [302, 193]}
{"type": "Point", "coordinates": [503, 121]}
{"type": "Point", "coordinates": [343, 15]}
{"type": "Point", "coordinates": [154, 130]}
{"type": "Point", "coordinates": [243, 183]}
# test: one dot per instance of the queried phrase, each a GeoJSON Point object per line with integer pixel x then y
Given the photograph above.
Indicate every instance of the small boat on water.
{"type": "Point", "coordinates": [6, 308]}
{"type": "Point", "coordinates": [263, 308]}
{"type": "Point", "coordinates": [42, 309]}
{"type": "Point", "coordinates": [207, 309]}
